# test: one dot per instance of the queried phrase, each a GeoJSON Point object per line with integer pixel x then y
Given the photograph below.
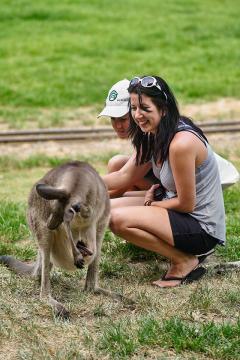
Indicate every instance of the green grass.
{"type": "Point", "coordinates": [12, 214]}
{"type": "Point", "coordinates": [18, 117]}
{"type": "Point", "coordinates": [58, 60]}
{"type": "Point", "coordinates": [14, 231]}
{"type": "Point", "coordinates": [41, 160]}
{"type": "Point", "coordinates": [67, 54]}
{"type": "Point", "coordinates": [13, 221]}
{"type": "Point", "coordinates": [232, 206]}
{"type": "Point", "coordinates": [198, 321]}
{"type": "Point", "coordinates": [122, 339]}
{"type": "Point", "coordinates": [23, 173]}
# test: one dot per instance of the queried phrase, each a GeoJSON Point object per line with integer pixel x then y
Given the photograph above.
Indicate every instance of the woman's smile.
{"type": "Point", "coordinates": [143, 123]}
{"type": "Point", "coordinates": [146, 115]}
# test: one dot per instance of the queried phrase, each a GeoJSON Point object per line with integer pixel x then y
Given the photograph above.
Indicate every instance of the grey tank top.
{"type": "Point", "coordinates": [209, 208]}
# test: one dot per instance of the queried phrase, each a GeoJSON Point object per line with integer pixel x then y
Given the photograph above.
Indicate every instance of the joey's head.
{"type": "Point", "coordinates": [77, 212]}
{"type": "Point", "coordinates": [66, 207]}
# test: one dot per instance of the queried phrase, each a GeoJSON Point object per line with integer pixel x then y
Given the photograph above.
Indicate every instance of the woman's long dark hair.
{"type": "Point", "coordinates": [156, 145]}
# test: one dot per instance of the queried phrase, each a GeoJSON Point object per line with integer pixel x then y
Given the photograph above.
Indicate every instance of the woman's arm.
{"type": "Point", "coordinates": [129, 174]}
{"type": "Point", "coordinates": [183, 153]}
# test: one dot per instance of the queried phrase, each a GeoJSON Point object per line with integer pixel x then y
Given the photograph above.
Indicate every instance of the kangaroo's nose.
{"type": "Point", "coordinates": [76, 207]}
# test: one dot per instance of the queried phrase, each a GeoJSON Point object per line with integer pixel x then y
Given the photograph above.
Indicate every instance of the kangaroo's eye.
{"type": "Point", "coordinates": [76, 207]}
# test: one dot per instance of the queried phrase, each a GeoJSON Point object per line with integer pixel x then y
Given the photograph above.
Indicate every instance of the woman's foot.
{"type": "Point", "coordinates": [177, 273]}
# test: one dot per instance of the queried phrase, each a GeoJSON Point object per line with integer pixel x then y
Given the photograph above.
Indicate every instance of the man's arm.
{"type": "Point", "coordinates": [129, 174]}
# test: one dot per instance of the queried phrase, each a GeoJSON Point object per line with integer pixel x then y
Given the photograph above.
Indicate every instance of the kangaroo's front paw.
{"type": "Point", "coordinates": [83, 249]}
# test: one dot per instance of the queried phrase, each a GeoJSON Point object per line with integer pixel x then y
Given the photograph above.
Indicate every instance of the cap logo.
{"type": "Point", "coordinates": [113, 95]}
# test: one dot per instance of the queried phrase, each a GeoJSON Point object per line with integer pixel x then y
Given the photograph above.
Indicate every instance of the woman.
{"type": "Point", "coordinates": [189, 220]}
{"type": "Point", "coordinates": [117, 109]}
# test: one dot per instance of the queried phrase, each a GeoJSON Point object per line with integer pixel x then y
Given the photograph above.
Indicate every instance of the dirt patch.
{"type": "Point", "coordinates": [66, 148]}
{"type": "Point", "coordinates": [228, 144]}
{"type": "Point", "coordinates": [220, 110]}
{"type": "Point", "coordinates": [225, 109]}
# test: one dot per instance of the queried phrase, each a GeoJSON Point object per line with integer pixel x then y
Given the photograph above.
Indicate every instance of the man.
{"type": "Point", "coordinates": [117, 108]}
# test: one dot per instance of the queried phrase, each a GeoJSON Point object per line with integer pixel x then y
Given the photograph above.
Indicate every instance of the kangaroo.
{"type": "Point", "coordinates": [68, 211]}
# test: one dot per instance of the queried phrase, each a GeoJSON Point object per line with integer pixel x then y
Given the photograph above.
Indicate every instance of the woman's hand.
{"type": "Point", "coordinates": [149, 196]}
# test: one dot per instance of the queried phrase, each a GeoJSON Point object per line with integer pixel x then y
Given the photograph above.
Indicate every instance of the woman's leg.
{"type": "Point", "coordinates": [135, 193]}
{"type": "Point", "coordinates": [149, 227]}
{"type": "Point", "coordinates": [127, 201]}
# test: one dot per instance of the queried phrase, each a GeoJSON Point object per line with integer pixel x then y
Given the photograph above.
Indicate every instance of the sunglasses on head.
{"type": "Point", "coordinates": [147, 82]}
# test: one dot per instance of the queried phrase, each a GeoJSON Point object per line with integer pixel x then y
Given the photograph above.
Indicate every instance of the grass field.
{"type": "Point", "coordinates": [58, 56]}
{"type": "Point", "coordinates": [198, 321]}
{"type": "Point", "coordinates": [57, 62]}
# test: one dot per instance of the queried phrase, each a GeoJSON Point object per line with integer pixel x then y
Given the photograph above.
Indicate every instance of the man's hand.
{"type": "Point", "coordinates": [149, 196]}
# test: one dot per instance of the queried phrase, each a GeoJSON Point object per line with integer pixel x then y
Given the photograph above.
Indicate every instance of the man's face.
{"type": "Point", "coordinates": [120, 125]}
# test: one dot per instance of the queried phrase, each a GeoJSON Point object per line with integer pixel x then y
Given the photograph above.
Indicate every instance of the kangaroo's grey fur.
{"type": "Point", "coordinates": [68, 211]}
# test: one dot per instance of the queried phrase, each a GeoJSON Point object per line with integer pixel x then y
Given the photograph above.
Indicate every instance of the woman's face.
{"type": "Point", "coordinates": [147, 116]}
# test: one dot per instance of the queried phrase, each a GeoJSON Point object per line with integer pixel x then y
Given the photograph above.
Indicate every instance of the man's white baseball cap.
{"type": "Point", "coordinates": [117, 101]}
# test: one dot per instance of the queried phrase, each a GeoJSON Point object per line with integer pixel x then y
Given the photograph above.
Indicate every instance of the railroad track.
{"type": "Point", "coordinates": [93, 133]}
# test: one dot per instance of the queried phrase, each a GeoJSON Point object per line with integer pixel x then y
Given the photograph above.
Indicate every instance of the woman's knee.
{"type": "Point", "coordinates": [117, 221]}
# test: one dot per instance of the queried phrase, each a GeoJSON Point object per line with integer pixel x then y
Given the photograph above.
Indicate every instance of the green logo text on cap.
{"type": "Point", "coordinates": [113, 95]}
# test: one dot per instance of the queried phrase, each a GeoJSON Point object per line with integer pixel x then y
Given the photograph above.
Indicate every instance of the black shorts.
{"type": "Point", "coordinates": [189, 236]}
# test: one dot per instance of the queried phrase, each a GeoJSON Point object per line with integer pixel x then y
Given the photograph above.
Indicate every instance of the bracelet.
{"type": "Point", "coordinates": [148, 203]}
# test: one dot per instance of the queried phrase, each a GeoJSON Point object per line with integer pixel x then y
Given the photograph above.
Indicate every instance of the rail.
{"type": "Point", "coordinates": [93, 133]}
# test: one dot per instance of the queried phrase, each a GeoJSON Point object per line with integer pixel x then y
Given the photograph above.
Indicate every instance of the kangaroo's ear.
{"type": "Point", "coordinates": [49, 192]}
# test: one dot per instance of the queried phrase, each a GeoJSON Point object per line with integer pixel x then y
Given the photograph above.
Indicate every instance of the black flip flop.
{"type": "Point", "coordinates": [194, 275]}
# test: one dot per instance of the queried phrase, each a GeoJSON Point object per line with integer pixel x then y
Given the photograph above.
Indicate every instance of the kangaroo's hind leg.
{"type": "Point", "coordinates": [91, 283]}
{"type": "Point", "coordinates": [92, 273]}
{"type": "Point", "coordinates": [45, 292]}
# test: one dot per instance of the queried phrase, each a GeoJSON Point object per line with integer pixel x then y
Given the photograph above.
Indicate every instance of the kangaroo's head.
{"type": "Point", "coordinates": [68, 207]}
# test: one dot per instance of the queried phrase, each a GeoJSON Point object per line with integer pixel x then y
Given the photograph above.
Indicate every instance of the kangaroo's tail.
{"type": "Point", "coordinates": [17, 266]}
{"type": "Point", "coordinates": [222, 267]}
